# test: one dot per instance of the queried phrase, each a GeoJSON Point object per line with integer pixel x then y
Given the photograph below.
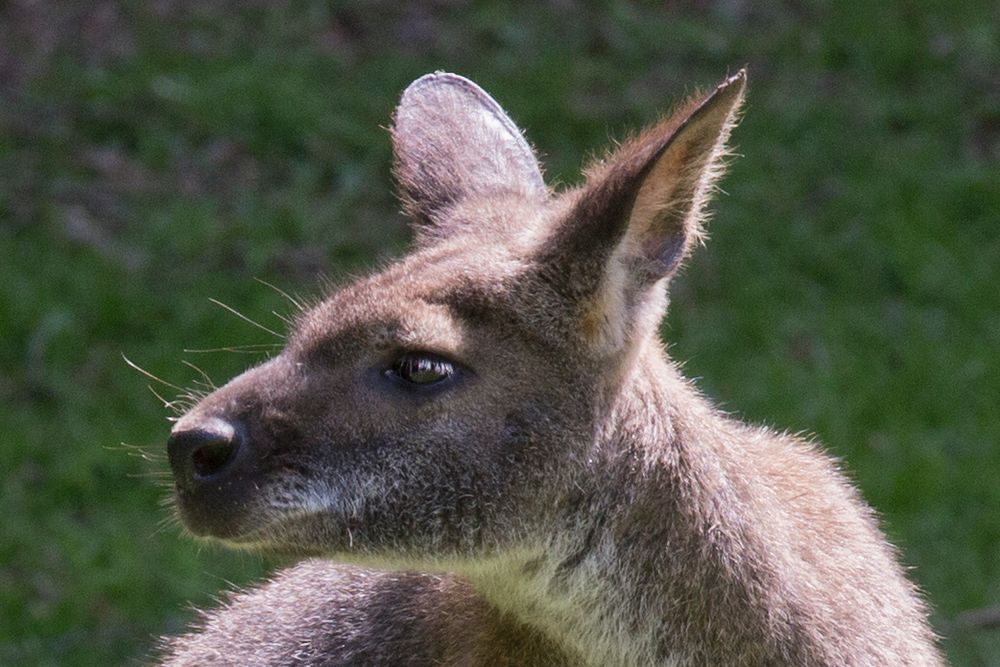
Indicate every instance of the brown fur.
{"type": "Point", "coordinates": [300, 618]}
{"type": "Point", "coordinates": [568, 497]}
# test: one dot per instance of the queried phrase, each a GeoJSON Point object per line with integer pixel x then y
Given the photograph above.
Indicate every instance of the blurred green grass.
{"type": "Point", "coordinates": [153, 156]}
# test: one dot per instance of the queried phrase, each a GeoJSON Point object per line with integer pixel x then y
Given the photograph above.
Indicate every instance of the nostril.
{"type": "Point", "coordinates": [212, 457]}
{"type": "Point", "coordinates": [203, 452]}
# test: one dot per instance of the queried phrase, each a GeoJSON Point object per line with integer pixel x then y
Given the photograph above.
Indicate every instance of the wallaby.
{"type": "Point", "coordinates": [490, 438]}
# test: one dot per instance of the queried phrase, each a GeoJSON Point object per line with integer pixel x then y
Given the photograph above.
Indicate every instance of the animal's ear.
{"type": "Point", "coordinates": [451, 140]}
{"type": "Point", "coordinates": [641, 209]}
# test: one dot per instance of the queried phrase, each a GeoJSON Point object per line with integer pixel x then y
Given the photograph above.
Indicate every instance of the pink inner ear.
{"type": "Point", "coordinates": [664, 256]}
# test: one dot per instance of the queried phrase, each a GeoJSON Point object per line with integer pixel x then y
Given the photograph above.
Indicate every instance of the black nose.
{"type": "Point", "coordinates": [205, 452]}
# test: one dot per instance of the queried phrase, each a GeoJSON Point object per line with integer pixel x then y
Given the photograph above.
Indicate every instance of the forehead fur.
{"type": "Point", "coordinates": [413, 302]}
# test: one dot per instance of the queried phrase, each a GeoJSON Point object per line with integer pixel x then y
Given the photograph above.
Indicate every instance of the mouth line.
{"type": "Point", "coordinates": [273, 533]}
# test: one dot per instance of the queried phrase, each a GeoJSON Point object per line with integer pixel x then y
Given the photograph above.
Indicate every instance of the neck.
{"type": "Point", "coordinates": [607, 581]}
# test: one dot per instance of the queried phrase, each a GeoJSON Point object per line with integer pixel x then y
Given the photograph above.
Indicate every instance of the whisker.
{"type": "Point", "coordinates": [207, 381]}
{"type": "Point", "coordinates": [156, 476]}
{"type": "Point", "coordinates": [194, 395]}
{"type": "Point", "coordinates": [138, 451]}
{"type": "Point", "coordinates": [245, 318]}
{"type": "Point", "coordinates": [295, 302]}
{"type": "Point", "coordinates": [150, 375]}
{"type": "Point", "coordinates": [178, 407]}
{"type": "Point", "coordinates": [168, 522]}
{"type": "Point", "coordinates": [262, 348]}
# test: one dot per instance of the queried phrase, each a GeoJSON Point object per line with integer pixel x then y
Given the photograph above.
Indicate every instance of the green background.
{"type": "Point", "coordinates": [155, 155]}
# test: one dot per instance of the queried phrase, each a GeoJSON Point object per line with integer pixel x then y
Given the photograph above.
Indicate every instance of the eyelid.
{"type": "Point", "coordinates": [400, 350]}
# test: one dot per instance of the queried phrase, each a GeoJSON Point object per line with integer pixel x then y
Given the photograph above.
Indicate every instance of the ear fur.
{"type": "Point", "coordinates": [641, 210]}
{"type": "Point", "coordinates": [668, 215]}
{"type": "Point", "coordinates": [452, 141]}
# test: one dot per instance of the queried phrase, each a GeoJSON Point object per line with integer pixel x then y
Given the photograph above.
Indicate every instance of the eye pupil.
{"type": "Point", "coordinates": [423, 368]}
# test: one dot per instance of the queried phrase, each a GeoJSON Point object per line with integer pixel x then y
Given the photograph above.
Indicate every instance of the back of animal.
{"type": "Point", "coordinates": [493, 458]}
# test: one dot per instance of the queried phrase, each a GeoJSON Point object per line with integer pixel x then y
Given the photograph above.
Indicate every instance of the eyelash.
{"type": "Point", "coordinates": [421, 369]}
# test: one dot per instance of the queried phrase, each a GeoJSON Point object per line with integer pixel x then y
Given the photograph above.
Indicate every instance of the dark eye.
{"type": "Point", "coordinates": [421, 368]}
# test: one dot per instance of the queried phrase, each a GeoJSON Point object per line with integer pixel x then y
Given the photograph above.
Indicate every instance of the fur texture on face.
{"type": "Point", "coordinates": [496, 406]}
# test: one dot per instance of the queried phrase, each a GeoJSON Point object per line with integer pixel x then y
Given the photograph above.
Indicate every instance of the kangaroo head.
{"type": "Point", "coordinates": [445, 405]}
